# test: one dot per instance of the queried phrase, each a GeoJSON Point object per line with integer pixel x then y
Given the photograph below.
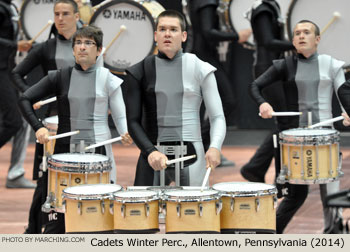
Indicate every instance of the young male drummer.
{"type": "Point", "coordinates": [166, 90]}
{"type": "Point", "coordinates": [50, 55]}
{"type": "Point", "coordinates": [309, 80]}
{"type": "Point", "coordinates": [85, 93]}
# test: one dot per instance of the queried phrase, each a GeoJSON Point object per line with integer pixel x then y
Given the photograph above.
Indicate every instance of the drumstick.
{"type": "Point", "coordinates": [285, 113]}
{"type": "Point", "coordinates": [62, 135]}
{"type": "Point", "coordinates": [44, 158]}
{"type": "Point", "coordinates": [309, 118]}
{"type": "Point", "coordinates": [50, 22]}
{"type": "Point", "coordinates": [94, 8]}
{"type": "Point", "coordinates": [205, 178]}
{"type": "Point", "coordinates": [48, 101]}
{"type": "Point", "coordinates": [327, 122]}
{"type": "Point", "coordinates": [122, 28]}
{"type": "Point", "coordinates": [103, 143]}
{"type": "Point", "coordinates": [336, 15]}
{"type": "Point", "coordinates": [274, 137]}
{"type": "Point", "coordinates": [169, 162]}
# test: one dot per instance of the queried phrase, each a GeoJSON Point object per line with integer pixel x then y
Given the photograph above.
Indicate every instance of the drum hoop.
{"type": "Point", "coordinates": [136, 199]}
{"type": "Point", "coordinates": [236, 194]}
{"type": "Point", "coordinates": [330, 138]}
{"type": "Point", "coordinates": [94, 196]}
{"type": "Point", "coordinates": [79, 167]}
{"type": "Point", "coordinates": [189, 198]}
{"type": "Point", "coordinates": [23, 7]}
{"type": "Point", "coordinates": [99, 10]}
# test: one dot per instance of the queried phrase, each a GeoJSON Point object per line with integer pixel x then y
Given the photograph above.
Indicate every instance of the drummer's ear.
{"type": "Point", "coordinates": [77, 16]}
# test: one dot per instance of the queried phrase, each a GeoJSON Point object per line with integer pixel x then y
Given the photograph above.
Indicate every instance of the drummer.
{"type": "Point", "coordinates": [166, 90]}
{"type": "Point", "coordinates": [78, 106]}
{"type": "Point", "coordinates": [309, 81]}
{"type": "Point", "coordinates": [50, 55]}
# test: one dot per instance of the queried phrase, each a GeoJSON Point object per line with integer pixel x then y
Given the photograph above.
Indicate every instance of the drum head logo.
{"type": "Point", "coordinates": [107, 13]}
{"type": "Point", "coordinates": [44, 1]}
{"type": "Point", "coordinates": [124, 14]}
{"type": "Point", "coordinates": [77, 180]}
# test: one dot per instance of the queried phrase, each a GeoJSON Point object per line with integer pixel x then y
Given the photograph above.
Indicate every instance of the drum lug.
{"type": "Point", "coordinates": [111, 208]}
{"type": "Point", "coordinates": [200, 207]}
{"type": "Point", "coordinates": [178, 210]}
{"type": "Point", "coordinates": [147, 209]}
{"type": "Point", "coordinates": [274, 202]}
{"type": "Point", "coordinates": [232, 204]}
{"type": "Point", "coordinates": [257, 204]}
{"type": "Point", "coordinates": [80, 207]}
{"type": "Point", "coordinates": [122, 210]}
{"type": "Point", "coordinates": [64, 206]}
{"type": "Point", "coordinates": [218, 207]}
{"type": "Point", "coordinates": [164, 208]}
{"type": "Point", "coordinates": [102, 206]}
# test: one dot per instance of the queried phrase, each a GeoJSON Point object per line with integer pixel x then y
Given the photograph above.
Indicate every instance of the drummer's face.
{"type": "Point", "coordinates": [65, 18]}
{"type": "Point", "coordinates": [85, 52]}
{"type": "Point", "coordinates": [169, 36]}
{"type": "Point", "coordinates": [304, 39]}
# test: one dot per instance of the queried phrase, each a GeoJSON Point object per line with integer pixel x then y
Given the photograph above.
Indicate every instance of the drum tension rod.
{"type": "Point", "coordinates": [178, 210]}
{"type": "Point", "coordinates": [80, 205]}
{"type": "Point", "coordinates": [103, 206]}
{"type": "Point", "coordinates": [257, 204]}
{"type": "Point", "coordinates": [232, 203]}
{"type": "Point", "coordinates": [111, 210]}
{"type": "Point", "coordinates": [147, 209]}
{"type": "Point", "coordinates": [218, 206]}
{"type": "Point", "coordinates": [200, 208]}
{"type": "Point", "coordinates": [122, 209]}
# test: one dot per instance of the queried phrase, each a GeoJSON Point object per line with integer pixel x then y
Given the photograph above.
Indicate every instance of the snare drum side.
{"type": "Point", "coordinates": [249, 215]}
{"type": "Point", "coordinates": [185, 217]}
{"type": "Point", "coordinates": [88, 216]}
{"type": "Point", "coordinates": [136, 218]}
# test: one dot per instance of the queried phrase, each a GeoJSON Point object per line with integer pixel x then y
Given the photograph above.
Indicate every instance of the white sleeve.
{"type": "Point", "coordinates": [215, 111]}
{"type": "Point", "coordinates": [116, 103]}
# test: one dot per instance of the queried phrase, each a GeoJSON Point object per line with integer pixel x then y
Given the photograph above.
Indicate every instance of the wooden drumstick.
{"type": "Point", "coordinates": [122, 28]}
{"type": "Point", "coordinates": [336, 15]}
{"type": "Point", "coordinates": [205, 178]}
{"type": "Point", "coordinates": [50, 22]}
{"type": "Point", "coordinates": [285, 113]}
{"type": "Point", "coordinates": [48, 101]}
{"type": "Point", "coordinates": [176, 160]}
{"type": "Point", "coordinates": [339, 118]}
{"type": "Point", "coordinates": [62, 135]}
{"type": "Point", "coordinates": [103, 143]}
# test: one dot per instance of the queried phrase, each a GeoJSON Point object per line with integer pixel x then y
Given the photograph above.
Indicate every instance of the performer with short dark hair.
{"type": "Point", "coordinates": [309, 80]}
{"type": "Point", "coordinates": [166, 90]}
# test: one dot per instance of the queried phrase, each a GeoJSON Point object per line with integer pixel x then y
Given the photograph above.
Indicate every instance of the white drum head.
{"type": "Point", "coordinates": [245, 188]}
{"type": "Point", "coordinates": [35, 14]}
{"type": "Point", "coordinates": [134, 43]}
{"type": "Point", "coordinates": [191, 195]}
{"type": "Point", "coordinates": [335, 40]}
{"type": "Point", "coordinates": [135, 196]}
{"type": "Point", "coordinates": [299, 132]}
{"type": "Point", "coordinates": [51, 122]}
{"type": "Point", "coordinates": [91, 191]}
{"type": "Point", "coordinates": [79, 158]}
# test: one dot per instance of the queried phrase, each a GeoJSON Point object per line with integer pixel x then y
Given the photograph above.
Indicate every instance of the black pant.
{"type": "Point", "coordinates": [290, 205]}
{"type": "Point", "coordinates": [11, 116]}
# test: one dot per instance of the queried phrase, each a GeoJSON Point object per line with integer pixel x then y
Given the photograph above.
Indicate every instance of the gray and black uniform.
{"type": "Point", "coordinates": [308, 85]}
{"type": "Point", "coordinates": [83, 101]}
{"type": "Point", "coordinates": [163, 101]}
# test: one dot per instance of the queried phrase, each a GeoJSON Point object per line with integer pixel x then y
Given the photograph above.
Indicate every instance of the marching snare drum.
{"type": "Point", "coordinates": [247, 207]}
{"type": "Point", "coordinates": [51, 123]}
{"type": "Point", "coordinates": [133, 44]}
{"type": "Point", "coordinates": [136, 212]}
{"type": "Point", "coordinates": [305, 9]}
{"type": "Point", "coordinates": [192, 211]}
{"type": "Point", "coordinates": [309, 156]}
{"type": "Point", "coordinates": [88, 208]}
{"type": "Point", "coordinates": [73, 169]}
{"type": "Point", "coordinates": [35, 14]}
